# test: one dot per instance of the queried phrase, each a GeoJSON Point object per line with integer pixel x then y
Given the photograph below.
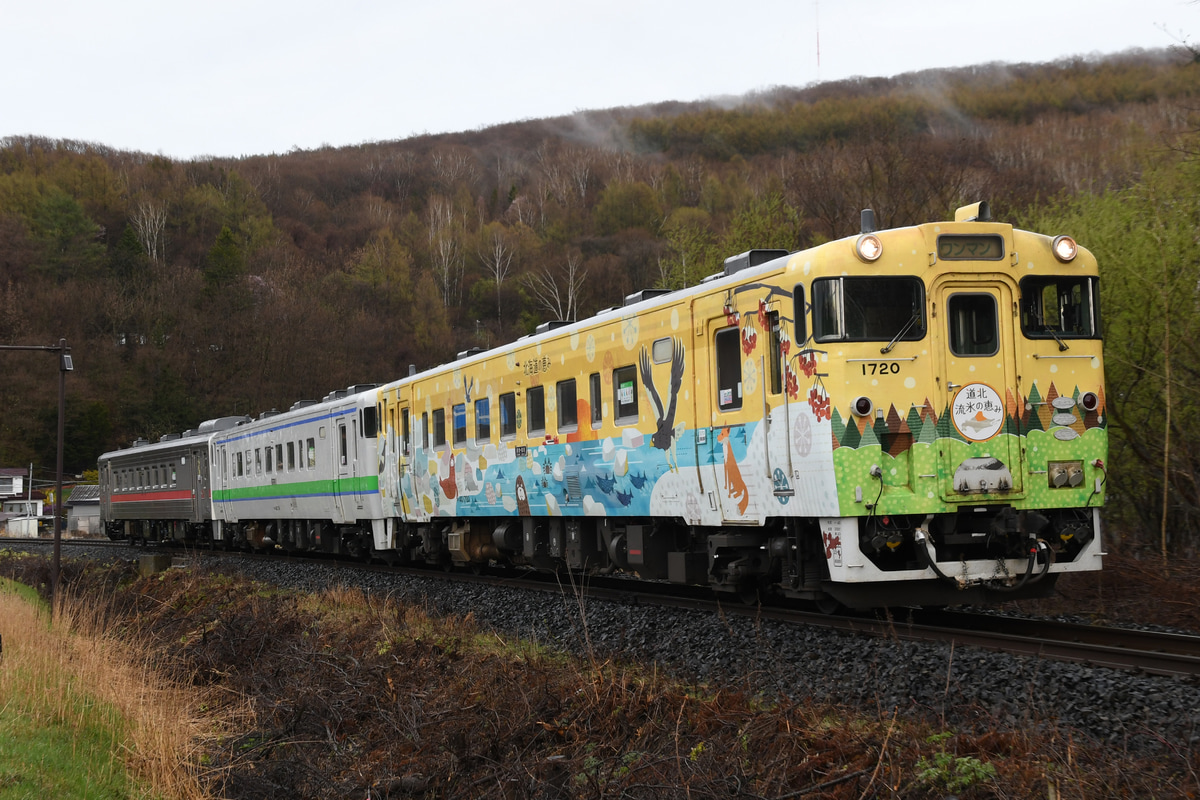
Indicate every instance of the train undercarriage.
{"type": "Point", "coordinates": [978, 555]}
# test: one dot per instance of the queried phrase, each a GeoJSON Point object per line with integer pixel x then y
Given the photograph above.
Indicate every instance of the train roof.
{"type": "Point", "coordinates": [736, 270]}
{"type": "Point", "coordinates": [363, 394]}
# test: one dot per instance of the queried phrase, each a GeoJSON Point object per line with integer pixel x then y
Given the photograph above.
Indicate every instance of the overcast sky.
{"type": "Point", "coordinates": [247, 77]}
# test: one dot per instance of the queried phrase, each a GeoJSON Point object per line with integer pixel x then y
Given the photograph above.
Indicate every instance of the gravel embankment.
{"type": "Point", "coordinates": [966, 688]}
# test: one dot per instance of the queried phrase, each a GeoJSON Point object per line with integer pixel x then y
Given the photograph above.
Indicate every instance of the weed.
{"type": "Point", "coordinates": [949, 772]}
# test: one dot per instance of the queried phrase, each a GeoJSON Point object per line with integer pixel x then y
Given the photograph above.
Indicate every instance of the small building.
{"type": "Point", "coordinates": [12, 482]}
{"type": "Point", "coordinates": [19, 517]}
{"type": "Point", "coordinates": [83, 510]}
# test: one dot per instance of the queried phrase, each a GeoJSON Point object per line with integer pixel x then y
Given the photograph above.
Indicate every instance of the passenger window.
{"type": "Point", "coordinates": [424, 431]}
{"type": "Point", "coordinates": [291, 456]}
{"type": "Point", "coordinates": [974, 328]}
{"type": "Point", "coordinates": [270, 460]}
{"type": "Point", "coordinates": [279, 457]}
{"type": "Point", "coordinates": [439, 427]}
{"type": "Point", "coordinates": [460, 423]}
{"type": "Point", "coordinates": [729, 369]}
{"type": "Point", "coordinates": [483, 422]}
{"type": "Point", "coordinates": [257, 461]}
{"type": "Point", "coordinates": [535, 407]}
{"type": "Point", "coordinates": [342, 443]}
{"type": "Point", "coordinates": [239, 464]}
{"type": "Point", "coordinates": [312, 454]}
{"type": "Point", "coordinates": [625, 394]}
{"type": "Point", "coordinates": [800, 320]}
{"type": "Point", "coordinates": [568, 411]}
{"type": "Point", "coordinates": [404, 431]}
{"type": "Point", "coordinates": [597, 399]}
{"type": "Point", "coordinates": [775, 352]}
{"type": "Point", "coordinates": [369, 422]}
{"type": "Point", "coordinates": [508, 415]}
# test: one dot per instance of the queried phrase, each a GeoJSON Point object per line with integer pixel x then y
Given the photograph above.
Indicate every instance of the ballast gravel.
{"type": "Point", "coordinates": [959, 688]}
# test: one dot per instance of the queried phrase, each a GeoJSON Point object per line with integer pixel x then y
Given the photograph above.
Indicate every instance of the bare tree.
{"type": "Point", "coordinates": [579, 166]}
{"type": "Point", "coordinates": [149, 221]}
{"type": "Point", "coordinates": [445, 252]}
{"type": "Point", "coordinates": [557, 181]}
{"type": "Point", "coordinates": [557, 291]}
{"type": "Point", "coordinates": [497, 255]}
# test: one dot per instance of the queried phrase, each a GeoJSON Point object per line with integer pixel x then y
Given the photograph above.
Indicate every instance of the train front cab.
{"type": "Point", "coordinates": [1005, 455]}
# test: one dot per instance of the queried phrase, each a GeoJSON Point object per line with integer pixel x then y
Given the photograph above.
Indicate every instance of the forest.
{"type": "Point", "coordinates": [216, 286]}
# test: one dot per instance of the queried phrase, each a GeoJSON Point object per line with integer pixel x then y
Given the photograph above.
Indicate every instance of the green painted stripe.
{"type": "Point", "coordinates": [327, 488]}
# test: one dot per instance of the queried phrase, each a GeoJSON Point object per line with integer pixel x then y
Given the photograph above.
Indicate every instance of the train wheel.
{"type": "Point", "coordinates": [827, 605]}
{"type": "Point", "coordinates": [750, 593]}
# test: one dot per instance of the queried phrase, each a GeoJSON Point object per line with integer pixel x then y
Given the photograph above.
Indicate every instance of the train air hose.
{"type": "Point", "coordinates": [926, 554]}
{"type": "Point", "coordinates": [929, 559]}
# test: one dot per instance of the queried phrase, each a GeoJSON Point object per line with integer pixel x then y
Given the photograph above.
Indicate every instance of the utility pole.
{"type": "Point", "coordinates": [65, 365]}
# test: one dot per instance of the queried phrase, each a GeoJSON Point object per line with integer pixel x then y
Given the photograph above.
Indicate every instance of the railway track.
{"type": "Point", "coordinates": [1149, 652]}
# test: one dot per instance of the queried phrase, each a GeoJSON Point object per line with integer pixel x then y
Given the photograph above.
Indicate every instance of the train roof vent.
{"type": "Point", "coordinates": [302, 404]}
{"type": "Point", "coordinates": [751, 258]}
{"type": "Point", "coordinates": [336, 394]}
{"type": "Point", "coordinates": [190, 432]}
{"type": "Point", "coordinates": [644, 294]}
{"type": "Point", "coordinates": [272, 413]}
{"type": "Point", "coordinates": [222, 423]}
{"type": "Point", "coordinates": [360, 387]}
{"type": "Point", "coordinates": [169, 437]}
{"type": "Point", "coordinates": [470, 351]}
{"type": "Point", "coordinates": [550, 325]}
{"type": "Point", "coordinates": [140, 442]}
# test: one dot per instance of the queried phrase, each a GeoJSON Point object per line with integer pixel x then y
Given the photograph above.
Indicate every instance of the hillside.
{"type": "Point", "coordinates": [195, 289]}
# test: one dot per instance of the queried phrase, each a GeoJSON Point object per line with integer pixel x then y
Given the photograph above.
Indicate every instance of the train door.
{"type": "Point", "coordinates": [201, 491]}
{"type": "Point", "coordinates": [362, 435]}
{"type": "Point", "coordinates": [729, 439]}
{"type": "Point", "coordinates": [343, 469]}
{"type": "Point", "coordinates": [404, 497]}
{"type": "Point", "coordinates": [223, 470]}
{"type": "Point", "coordinates": [977, 390]}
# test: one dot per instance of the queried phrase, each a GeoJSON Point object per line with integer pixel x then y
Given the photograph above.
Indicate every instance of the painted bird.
{"type": "Point", "coordinates": [667, 431]}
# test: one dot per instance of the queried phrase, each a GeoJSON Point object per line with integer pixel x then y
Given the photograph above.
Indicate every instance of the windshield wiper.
{"type": "Point", "coordinates": [1061, 344]}
{"type": "Point", "coordinates": [913, 319]}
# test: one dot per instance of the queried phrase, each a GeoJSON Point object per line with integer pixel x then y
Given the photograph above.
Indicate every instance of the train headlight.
{"type": "Point", "coordinates": [1064, 248]}
{"type": "Point", "coordinates": [862, 406]}
{"type": "Point", "coordinates": [1090, 401]}
{"type": "Point", "coordinates": [868, 247]}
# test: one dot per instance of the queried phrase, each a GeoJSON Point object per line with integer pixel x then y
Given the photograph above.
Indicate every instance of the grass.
{"type": "Point", "coordinates": [341, 694]}
{"type": "Point", "coordinates": [80, 715]}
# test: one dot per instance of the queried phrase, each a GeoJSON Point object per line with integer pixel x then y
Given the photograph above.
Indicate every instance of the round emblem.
{"type": "Point", "coordinates": [977, 412]}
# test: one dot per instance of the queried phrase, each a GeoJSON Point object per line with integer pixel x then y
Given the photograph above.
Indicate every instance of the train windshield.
{"type": "Point", "coordinates": [868, 309]}
{"type": "Point", "coordinates": [1060, 308]}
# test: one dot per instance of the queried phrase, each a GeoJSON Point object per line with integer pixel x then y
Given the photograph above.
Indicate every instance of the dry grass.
{"type": "Point", "coordinates": [71, 674]}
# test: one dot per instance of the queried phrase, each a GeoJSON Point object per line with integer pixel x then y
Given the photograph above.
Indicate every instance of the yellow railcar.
{"type": "Point", "coordinates": [906, 416]}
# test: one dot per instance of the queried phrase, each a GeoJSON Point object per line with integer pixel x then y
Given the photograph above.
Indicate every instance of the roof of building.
{"type": "Point", "coordinates": [84, 493]}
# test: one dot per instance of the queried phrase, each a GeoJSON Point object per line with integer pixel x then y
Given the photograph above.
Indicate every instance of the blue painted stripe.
{"type": "Point", "coordinates": [305, 421]}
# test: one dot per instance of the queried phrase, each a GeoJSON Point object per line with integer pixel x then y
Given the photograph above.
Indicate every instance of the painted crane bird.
{"type": "Point", "coordinates": [667, 431]}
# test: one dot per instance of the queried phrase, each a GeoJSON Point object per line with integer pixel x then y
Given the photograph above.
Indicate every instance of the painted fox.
{"type": "Point", "coordinates": [735, 487]}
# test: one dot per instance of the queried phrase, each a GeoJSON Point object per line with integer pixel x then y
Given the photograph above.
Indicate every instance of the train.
{"type": "Point", "coordinates": [911, 416]}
